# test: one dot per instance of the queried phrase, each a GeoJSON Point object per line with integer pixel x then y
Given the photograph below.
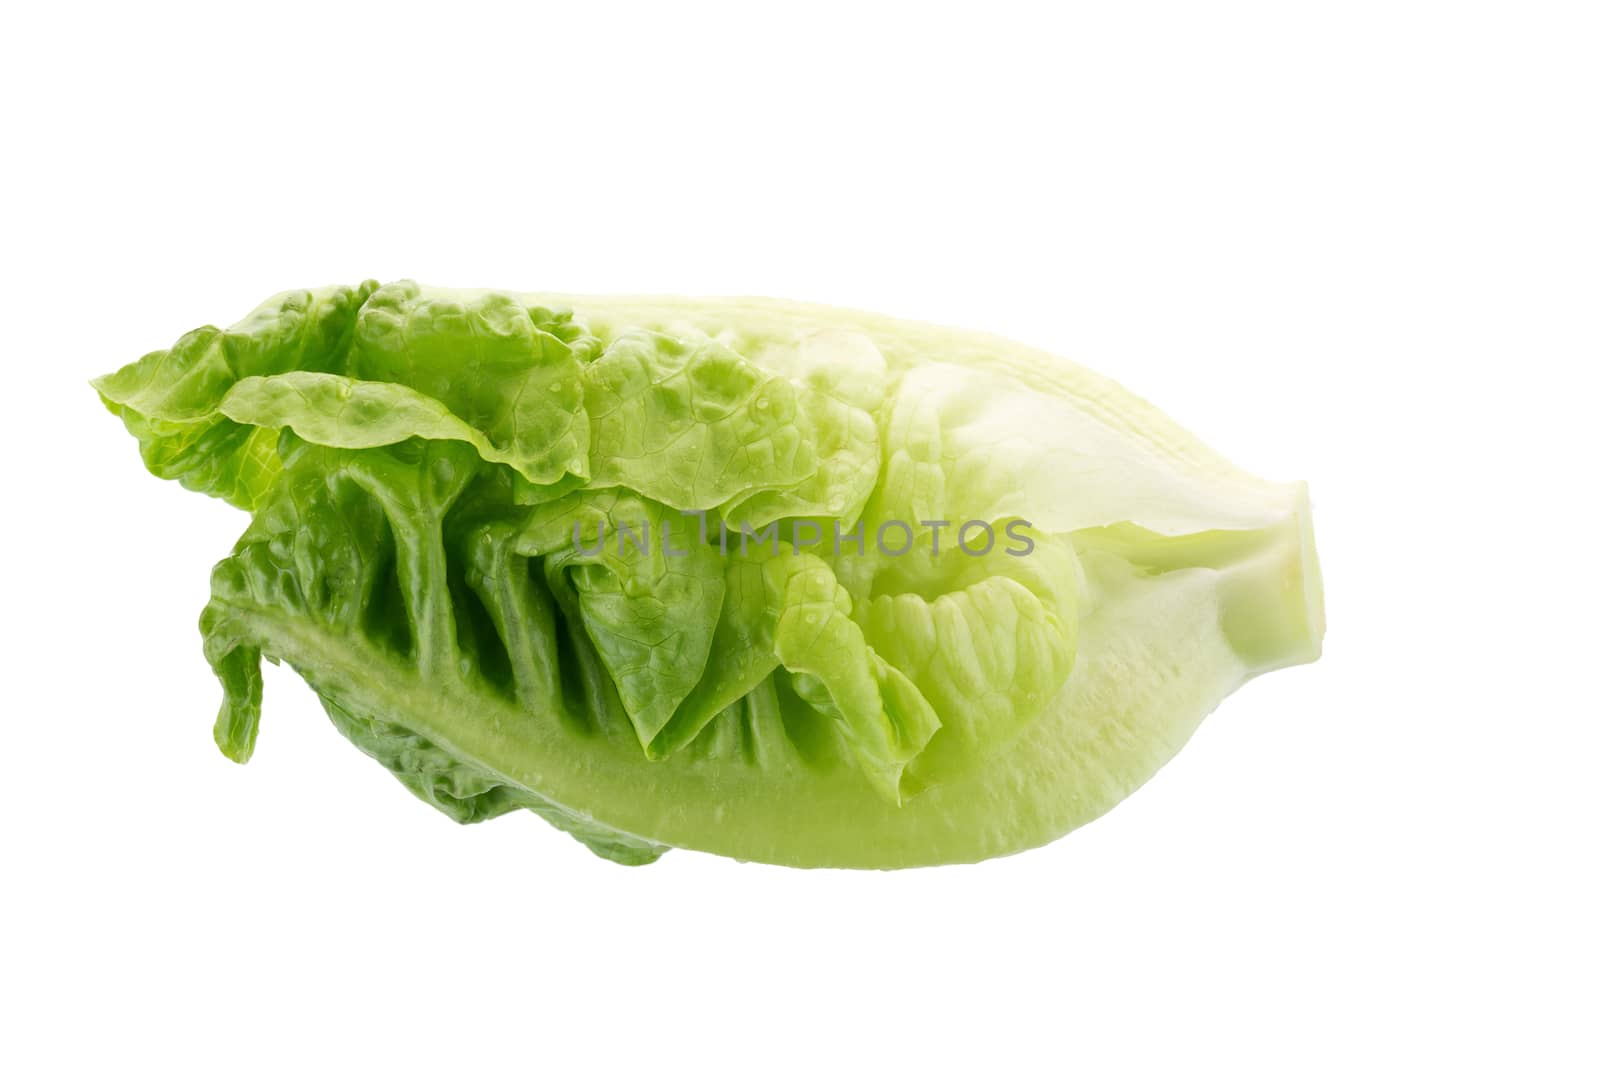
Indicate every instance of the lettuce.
{"type": "Point", "coordinates": [782, 582]}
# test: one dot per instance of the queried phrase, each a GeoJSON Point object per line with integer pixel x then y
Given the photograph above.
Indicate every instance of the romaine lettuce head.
{"type": "Point", "coordinates": [782, 582]}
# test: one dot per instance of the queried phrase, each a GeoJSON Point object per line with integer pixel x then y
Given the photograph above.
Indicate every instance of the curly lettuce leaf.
{"type": "Point", "coordinates": [842, 379]}
{"type": "Point", "coordinates": [692, 424]}
{"type": "Point", "coordinates": [169, 399]}
{"type": "Point", "coordinates": [987, 640]}
{"type": "Point", "coordinates": [343, 412]}
{"type": "Point", "coordinates": [884, 719]}
{"type": "Point", "coordinates": [482, 358]}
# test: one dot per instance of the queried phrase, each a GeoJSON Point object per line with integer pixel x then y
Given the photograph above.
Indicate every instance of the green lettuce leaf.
{"type": "Point", "coordinates": [843, 383]}
{"type": "Point", "coordinates": [986, 640]}
{"type": "Point", "coordinates": [169, 399]}
{"type": "Point", "coordinates": [692, 424]}
{"type": "Point", "coordinates": [648, 596]}
{"type": "Point", "coordinates": [883, 718]}
{"type": "Point", "coordinates": [482, 358]}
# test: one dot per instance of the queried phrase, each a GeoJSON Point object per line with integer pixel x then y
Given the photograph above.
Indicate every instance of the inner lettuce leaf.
{"type": "Point", "coordinates": [880, 714]}
{"type": "Point", "coordinates": [988, 640]}
{"type": "Point", "coordinates": [621, 563]}
{"type": "Point", "coordinates": [649, 597]}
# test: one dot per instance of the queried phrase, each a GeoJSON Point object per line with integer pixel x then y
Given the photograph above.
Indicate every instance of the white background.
{"type": "Point", "coordinates": [1353, 243]}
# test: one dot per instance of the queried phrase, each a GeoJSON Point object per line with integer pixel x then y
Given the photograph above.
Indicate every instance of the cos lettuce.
{"type": "Point", "coordinates": [782, 582]}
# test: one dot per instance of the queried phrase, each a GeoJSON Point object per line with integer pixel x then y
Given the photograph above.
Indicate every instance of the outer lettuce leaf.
{"type": "Point", "coordinates": [307, 329]}
{"type": "Point", "coordinates": [843, 382]}
{"type": "Point", "coordinates": [331, 409]}
{"type": "Point", "coordinates": [963, 441]}
{"type": "Point", "coordinates": [690, 424]}
{"type": "Point", "coordinates": [169, 399]}
{"type": "Point", "coordinates": [693, 425]}
{"type": "Point", "coordinates": [481, 357]}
